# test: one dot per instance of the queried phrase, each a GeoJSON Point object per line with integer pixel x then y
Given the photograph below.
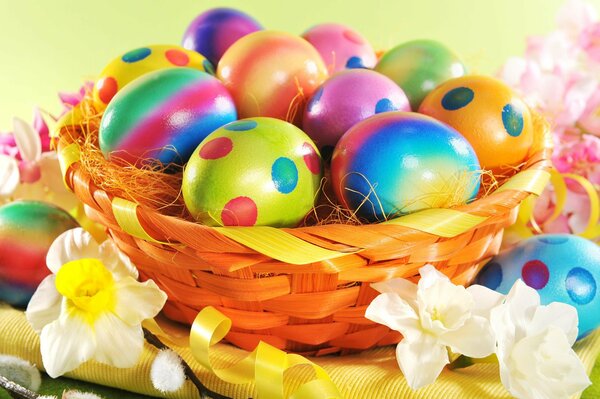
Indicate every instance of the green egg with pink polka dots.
{"type": "Point", "coordinates": [253, 172]}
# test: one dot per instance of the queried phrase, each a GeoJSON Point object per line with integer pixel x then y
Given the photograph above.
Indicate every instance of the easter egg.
{"type": "Point", "coordinates": [27, 229]}
{"type": "Point", "coordinates": [489, 114]}
{"type": "Point", "coordinates": [271, 74]}
{"type": "Point", "coordinates": [341, 47]}
{"type": "Point", "coordinates": [419, 66]}
{"type": "Point", "coordinates": [400, 162]}
{"type": "Point", "coordinates": [215, 30]}
{"type": "Point", "coordinates": [163, 116]}
{"type": "Point", "coordinates": [256, 171]}
{"type": "Point", "coordinates": [344, 100]}
{"type": "Point", "coordinates": [561, 267]}
{"type": "Point", "coordinates": [135, 63]}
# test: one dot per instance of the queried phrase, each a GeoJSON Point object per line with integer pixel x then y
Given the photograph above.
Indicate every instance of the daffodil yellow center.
{"type": "Point", "coordinates": [88, 286]}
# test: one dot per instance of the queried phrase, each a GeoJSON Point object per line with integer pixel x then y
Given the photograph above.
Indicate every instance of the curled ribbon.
{"type": "Point", "coordinates": [265, 366]}
{"type": "Point", "coordinates": [526, 225]}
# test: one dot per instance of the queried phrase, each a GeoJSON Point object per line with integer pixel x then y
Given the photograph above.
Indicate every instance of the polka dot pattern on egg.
{"type": "Point", "coordinates": [311, 159]}
{"type": "Point", "coordinates": [285, 175]}
{"type": "Point", "coordinates": [107, 88]}
{"type": "Point", "coordinates": [241, 126]}
{"type": "Point", "coordinates": [384, 105]}
{"type": "Point", "coordinates": [491, 275]}
{"type": "Point", "coordinates": [136, 55]}
{"type": "Point", "coordinates": [512, 117]}
{"type": "Point", "coordinates": [177, 57]}
{"type": "Point", "coordinates": [457, 98]}
{"type": "Point", "coordinates": [216, 148]}
{"type": "Point", "coordinates": [580, 285]}
{"type": "Point", "coordinates": [535, 274]}
{"type": "Point", "coordinates": [354, 63]}
{"type": "Point", "coordinates": [240, 211]}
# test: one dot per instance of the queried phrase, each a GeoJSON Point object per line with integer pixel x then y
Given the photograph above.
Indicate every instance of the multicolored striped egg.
{"type": "Point", "coordinates": [419, 66]}
{"type": "Point", "coordinates": [256, 171]}
{"type": "Point", "coordinates": [135, 63]}
{"type": "Point", "coordinates": [215, 30]}
{"type": "Point", "coordinates": [341, 47]}
{"type": "Point", "coordinates": [401, 162]}
{"type": "Point", "coordinates": [344, 100]}
{"type": "Point", "coordinates": [27, 229]}
{"type": "Point", "coordinates": [163, 116]}
{"type": "Point", "coordinates": [561, 267]}
{"type": "Point", "coordinates": [271, 74]}
{"type": "Point", "coordinates": [489, 114]}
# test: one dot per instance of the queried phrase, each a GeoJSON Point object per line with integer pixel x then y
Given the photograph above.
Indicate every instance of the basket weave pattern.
{"type": "Point", "coordinates": [311, 308]}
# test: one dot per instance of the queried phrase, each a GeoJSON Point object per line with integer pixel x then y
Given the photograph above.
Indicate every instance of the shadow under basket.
{"type": "Point", "coordinates": [302, 289]}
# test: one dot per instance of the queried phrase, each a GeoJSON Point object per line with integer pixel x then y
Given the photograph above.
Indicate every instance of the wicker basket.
{"type": "Point", "coordinates": [300, 289]}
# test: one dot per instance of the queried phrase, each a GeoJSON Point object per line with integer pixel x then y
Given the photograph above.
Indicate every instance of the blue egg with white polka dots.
{"type": "Point", "coordinates": [562, 268]}
{"type": "Point", "coordinates": [253, 172]}
{"type": "Point", "coordinates": [347, 98]}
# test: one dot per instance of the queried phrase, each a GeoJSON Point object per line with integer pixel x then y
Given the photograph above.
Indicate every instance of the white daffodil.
{"type": "Point", "coordinates": [534, 346]}
{"type": "Point", "coordinates": [433, 316]}
{"type": "Point", "coordinates": [36, 175]}
{"type": "Point", "coordinates": [91, 307]}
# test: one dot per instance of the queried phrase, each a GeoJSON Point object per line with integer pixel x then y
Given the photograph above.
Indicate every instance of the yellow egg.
{"type": "Point", "coordinates": [489, 114]}
{"type": "Point", "coordinates": [135, 63]}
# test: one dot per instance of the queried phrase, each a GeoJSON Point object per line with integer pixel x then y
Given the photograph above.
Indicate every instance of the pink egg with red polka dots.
{"type": "Point", "coordinates": [253, 172]}
{"type": "Point", "coordinates": [341, 47]}
{"type": "Point", "coordinates": [140, 61]}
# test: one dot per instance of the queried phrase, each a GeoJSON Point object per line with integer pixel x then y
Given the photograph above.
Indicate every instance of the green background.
{"type": "Point", "coordinates": [47, 46]}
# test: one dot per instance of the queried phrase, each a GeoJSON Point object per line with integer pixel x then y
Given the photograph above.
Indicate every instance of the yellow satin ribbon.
{"type": "Point", "coordinates": [526, 225]}
{"type": "Point", "coordinates": [264, 367]}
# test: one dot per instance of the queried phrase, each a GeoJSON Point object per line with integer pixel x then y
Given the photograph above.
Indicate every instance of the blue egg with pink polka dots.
{"type": "Point", "coordinates": [562, 268]}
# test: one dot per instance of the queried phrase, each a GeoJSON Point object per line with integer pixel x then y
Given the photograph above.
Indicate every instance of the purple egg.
{"type": "Point", "coordinates": [346, 99]}
{"type": "Point", "coordinates": [213, 31]}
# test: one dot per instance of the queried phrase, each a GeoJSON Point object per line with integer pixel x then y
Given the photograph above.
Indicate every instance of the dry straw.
{"type": "Point", "coordinates": [249, 273]}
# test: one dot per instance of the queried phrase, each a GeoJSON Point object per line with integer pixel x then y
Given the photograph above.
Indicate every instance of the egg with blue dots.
{"type": "Point", "coordinates": [562, 268]}
{"type": "Point", "coordinates": [160, 118]}
{"type": "Point", "coordinates": [497, 123]}
{"type": "Point", "coordinates": [253, 172]}
{"type": "Point", "coordinates": [341, 47]}
{"type": "Point", "coordinates": [396, 163]}
{"type": "Point", "coordinates": [214, 31]}
{"type": "Point", "coordinates": [27, 230]}
{"type": "Point", "coordinates": [344, 100]}
{"type": "Point", "coordinates": [140, 61]}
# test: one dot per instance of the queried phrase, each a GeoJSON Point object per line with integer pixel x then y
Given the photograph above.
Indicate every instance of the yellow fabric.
{"type": "Point", "coordinates": [67, 157]}
{"type": "Point", "coordinates": [532, 180]}
{"type": "Point", "coordinates": [441, 222]}
{"type": "Point", "coordinates": [125, 213]}
{"type": "Point", "coordinates": [372, 374]}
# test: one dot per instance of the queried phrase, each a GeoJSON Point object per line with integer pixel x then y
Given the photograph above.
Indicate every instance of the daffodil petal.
{"type": "Point", "coordinates": [452, 303]}
{"type": "Point", "coordinates": [116, 261]}
{"type": "Point", "coordinates": [138, 301]}
{"type": "Point", "coordinates": [484, 300]}
{"type": "Point", "coordinates": [560, 315]}
{"type": "Point", "coordinates": [66, 343]}
{"type": "Point", "coordinates": [406, 289]}
{"type": "Point", "coordinates": [27, 139]}
{"type": "Point", "coordinates": [44, 306]}
{"type": "Point", "coordinates": [429, 276]}
{"type": "Point", "coordinates": [392, 311]}
{"type": "Point", "coordinates": [474, 339]}
{"type": "Point", "coordinates": [9, 175]}
{"type": "Point", "coordinates": [71, 245]}
{"type": "Point", "coordinates": [119, 344]}
{"type": "Point", "coordinates": [421, 361]}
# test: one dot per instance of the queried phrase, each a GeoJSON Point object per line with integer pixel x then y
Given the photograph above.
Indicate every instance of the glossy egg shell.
{"type": "Point", "coordinates": [135, 63]}
{"type": "Point", "coordinates": [27, 229]}
{"type": "Point", "coordinates": [257, 171]}
{"type": "Point", "coordinates": [562, 268]}
{"type": "Point", "coordinates": [341, 47]}
{"type": "Point", "coordinates": [419, 66]}
{"type": "Point", "coordinates": [214, 31]}
{"type": "Point", "coordinates": [489, 114]}
{"type": "Point", "coordinates": [163, 116]}
{"type": "Point", "coordinates": [271, 74]}
{"type": "Point", "coordinates": [347, 98]}
{"type": "Point", "coordinates": [400, 162]}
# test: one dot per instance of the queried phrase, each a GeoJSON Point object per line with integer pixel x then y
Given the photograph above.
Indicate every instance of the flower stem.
{"type": "Point", "coordinates": [189, 373]}
{"type": "Point", "coordinates": [15, 390]}
{"type": "Point", "coordinates": [465, 361]}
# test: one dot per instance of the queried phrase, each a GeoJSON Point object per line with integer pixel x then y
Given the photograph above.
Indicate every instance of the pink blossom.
{"type": "Point", "coordinates": [8, 145]}
{"type": "Point", "coordinates": [590, 41]}
{"type": "Point", "coordinates": [575, 15]}
{"type": "Point", "coordinates": [70, 100]}
{"type": "Point", "coordinates": [590, 118]}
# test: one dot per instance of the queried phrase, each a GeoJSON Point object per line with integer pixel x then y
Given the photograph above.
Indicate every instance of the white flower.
{"type": "Point", "coordinates": [37, 175]}
{"type": "Point", "coordinates": [534, 346]}
{"type": "Point", "coordinates": [167, 372]}
{"type": "Point", "coordinates": [434, 316]}
{"type": "Point", "coordinates": [91, 307]}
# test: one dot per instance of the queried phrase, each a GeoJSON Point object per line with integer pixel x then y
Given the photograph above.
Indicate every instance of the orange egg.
{"type": "Point", "coordinates": [489, 114]}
